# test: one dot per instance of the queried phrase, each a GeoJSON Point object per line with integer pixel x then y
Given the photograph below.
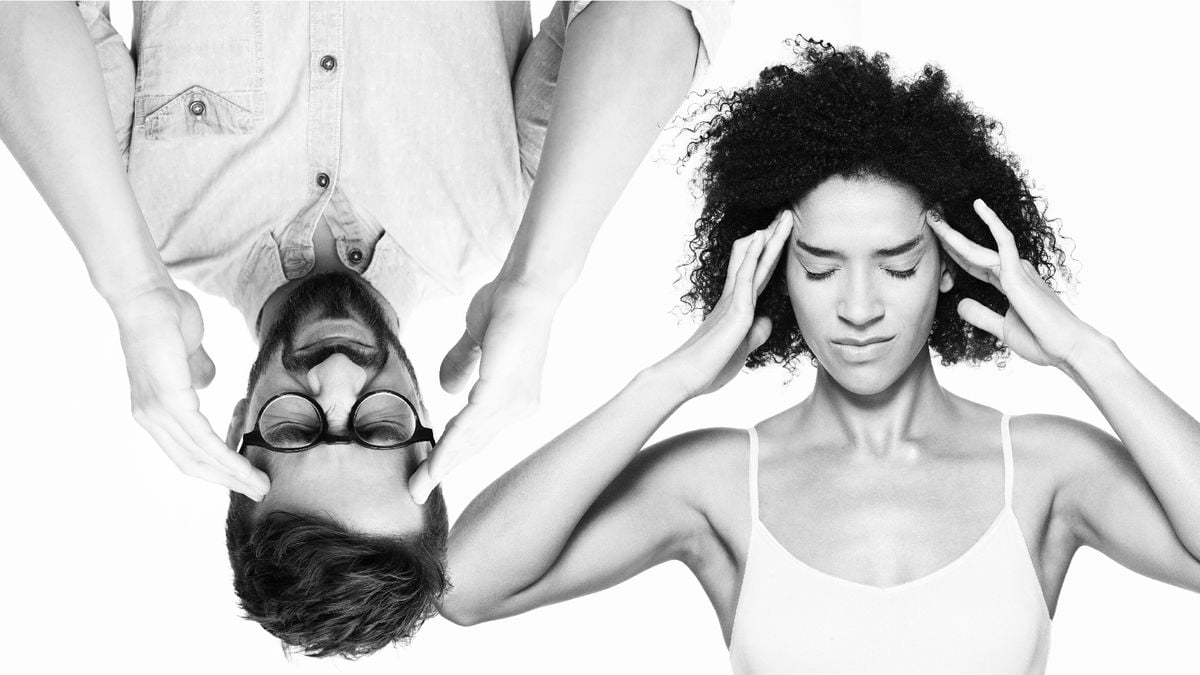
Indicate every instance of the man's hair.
{"type": "Point", "coordinates": [325, 590]}
{"type": "Point", "coordinates": [842, 113]}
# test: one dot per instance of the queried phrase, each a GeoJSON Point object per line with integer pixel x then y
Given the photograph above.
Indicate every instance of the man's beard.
{"type": "Point", "coordinates": [326, 296]}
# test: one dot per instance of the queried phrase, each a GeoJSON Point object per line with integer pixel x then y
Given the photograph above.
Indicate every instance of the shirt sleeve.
{"type": "Point", "coordinates": [116, 64]}
{"type": "Point", "coordinates": [537, 75]}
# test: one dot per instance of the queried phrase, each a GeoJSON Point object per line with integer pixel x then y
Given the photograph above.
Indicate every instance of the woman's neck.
{"type": "Point", "coordinates": [884, 424]}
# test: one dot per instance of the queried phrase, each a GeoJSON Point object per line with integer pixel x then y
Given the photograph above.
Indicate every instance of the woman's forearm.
{"type": "Point", "coordinates": [1162, 437]}
{"type": "Point", "coordinates": [55, 119]}
{"type": "Point", "coordinates": [515, 530]}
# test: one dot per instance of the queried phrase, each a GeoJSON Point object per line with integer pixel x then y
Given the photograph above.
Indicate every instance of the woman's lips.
{"type": "Point", "coordinates": [859, 351]}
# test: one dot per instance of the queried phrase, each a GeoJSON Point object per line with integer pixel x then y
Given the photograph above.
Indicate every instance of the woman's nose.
{"type": "Point", "coordinates": [859, 304]}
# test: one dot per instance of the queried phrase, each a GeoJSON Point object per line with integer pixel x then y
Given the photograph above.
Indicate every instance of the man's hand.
{"type": "Point", "coordinates": [507, 332]}
{"type": "Point", "coordinates": [161, 330]}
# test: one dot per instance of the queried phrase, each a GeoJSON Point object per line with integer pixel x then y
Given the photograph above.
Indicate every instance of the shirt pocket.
{"type": "Point", "coordinates": [200, 69]}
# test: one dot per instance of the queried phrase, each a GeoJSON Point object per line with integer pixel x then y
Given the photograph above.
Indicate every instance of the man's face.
{"type": "Point", "coordinates": [332, 340]}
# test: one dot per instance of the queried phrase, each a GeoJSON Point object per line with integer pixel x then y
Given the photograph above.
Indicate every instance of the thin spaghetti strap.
{"type": "Point", "coordinates": [753, 474]}
{"type": "Point", "coordinates": [1006, 441]}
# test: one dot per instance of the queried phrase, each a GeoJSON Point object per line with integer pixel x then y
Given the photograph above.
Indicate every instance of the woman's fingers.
{"type": "Point", "coordinates": [976, 314]}
{"type": "Point", "coordinates": [777, 237]}
{"type": "Point", "coordinates": [1005, 242]}
{"type": "Point", "coordinates": [966, 252]}
{"type": "Point", "coordinates": [736, 255]}
{"type": "Point", "coordinates": [743, 289]}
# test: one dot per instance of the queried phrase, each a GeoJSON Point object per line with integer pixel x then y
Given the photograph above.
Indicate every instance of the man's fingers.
{"type": "Point", "coordinates": [173, 443]}
{"type": "Point", "coordinates": [202, 368]}
{"type": "Point", "coordinates": [976, 314]}
{"type": "Point", "coordinates": [459, 364]}
{"type": "Point", "coordinates": [420, 485]}
{"type": "Point", "coordinates": [465, 435]}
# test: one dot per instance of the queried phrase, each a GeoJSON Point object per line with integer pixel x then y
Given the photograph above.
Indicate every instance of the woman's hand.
{"type": "Point", "coordinates": [1038, 325]}
{"type": "Point", "coordinates": [718, 349]}
{"type": "Point", "coordinates": [161, 331]}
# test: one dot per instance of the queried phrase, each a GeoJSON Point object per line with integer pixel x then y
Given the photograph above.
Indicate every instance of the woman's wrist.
{"type": "Point", "coordinates": [664, 382]}
{"type": "Point", "coordinates": [1093, 358]}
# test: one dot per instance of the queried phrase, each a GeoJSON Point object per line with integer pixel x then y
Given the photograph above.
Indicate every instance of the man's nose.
{"type": "Point", "coordinates": [336, 383]}
{"type": "Point", "coordinates": [860, 304]}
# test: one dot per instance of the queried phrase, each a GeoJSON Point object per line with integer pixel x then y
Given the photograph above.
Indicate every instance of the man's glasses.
{"type": "Point", "coordinates": [293, 422]}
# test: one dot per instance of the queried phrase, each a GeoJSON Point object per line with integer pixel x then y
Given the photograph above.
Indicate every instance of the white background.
{"type": "Point", "coordinates": [111, 558]}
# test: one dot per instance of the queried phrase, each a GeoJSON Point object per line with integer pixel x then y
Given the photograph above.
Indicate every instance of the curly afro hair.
{"type": "Point", "coordinates": [842, 113]}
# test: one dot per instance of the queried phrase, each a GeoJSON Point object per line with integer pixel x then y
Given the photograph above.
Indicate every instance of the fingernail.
{"type": "Point", "coordinates": [934, 215]}
{"type": "Point", "coordinates": [418, 484]}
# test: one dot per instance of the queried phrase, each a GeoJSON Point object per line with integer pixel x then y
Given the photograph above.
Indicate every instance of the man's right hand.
{"type": "Point", "coordinates": [161, 330]}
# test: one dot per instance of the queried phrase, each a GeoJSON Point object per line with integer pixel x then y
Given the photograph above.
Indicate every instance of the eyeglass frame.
{"type": "Point", "coordinates": [254, 437]}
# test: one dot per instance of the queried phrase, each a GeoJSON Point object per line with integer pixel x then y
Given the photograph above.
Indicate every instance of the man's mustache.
{"type": "Point", "coordinates": [301, 361]}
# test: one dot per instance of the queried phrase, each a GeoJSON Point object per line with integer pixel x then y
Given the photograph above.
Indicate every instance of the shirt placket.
{"type": "Point", "coordinates": [326, 51]}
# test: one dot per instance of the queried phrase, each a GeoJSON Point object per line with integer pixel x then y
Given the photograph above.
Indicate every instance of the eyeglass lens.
{"type": "Point", "coordinates": [381, 418]}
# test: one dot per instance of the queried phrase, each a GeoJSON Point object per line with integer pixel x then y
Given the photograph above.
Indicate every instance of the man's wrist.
{"type": "Point", "coordinates": [551, 281]}
{"type": "Point", "coordinates": [124, 294]}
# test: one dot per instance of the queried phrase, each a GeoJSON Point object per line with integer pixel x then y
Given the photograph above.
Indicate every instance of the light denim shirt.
{"type": "Point", "coordinates": [414, 129]}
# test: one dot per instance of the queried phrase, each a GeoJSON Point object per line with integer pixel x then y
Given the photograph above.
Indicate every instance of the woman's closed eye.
{"type": "Point", "coordinates": [812, 275]}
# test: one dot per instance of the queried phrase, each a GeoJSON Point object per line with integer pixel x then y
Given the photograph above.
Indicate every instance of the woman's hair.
{"type": "Point", "coordinates": [842, 113]}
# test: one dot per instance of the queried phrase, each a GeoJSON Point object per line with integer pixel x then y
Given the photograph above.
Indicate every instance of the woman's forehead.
{"type": "Point", "coordinates": [852, 215]}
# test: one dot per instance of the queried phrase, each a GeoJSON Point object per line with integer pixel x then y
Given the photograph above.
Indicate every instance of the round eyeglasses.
{"type": "Point", "coordinates": [293, 422]}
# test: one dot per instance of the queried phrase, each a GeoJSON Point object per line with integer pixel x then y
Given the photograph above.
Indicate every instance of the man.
{"type": "Point", "coordinates": [324, 167]}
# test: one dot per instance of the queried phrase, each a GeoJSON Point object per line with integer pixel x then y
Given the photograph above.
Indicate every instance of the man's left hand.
{"type": "Point", "coordinates": [507, 333]}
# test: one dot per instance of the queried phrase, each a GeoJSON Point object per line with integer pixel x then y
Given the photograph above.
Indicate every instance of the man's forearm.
{"type": "Point", "coordinates": [55, 119]}
{"type": "Point", "coordinates": [625, 69]}
{"type": "Point", "coordinates": [515, 530]}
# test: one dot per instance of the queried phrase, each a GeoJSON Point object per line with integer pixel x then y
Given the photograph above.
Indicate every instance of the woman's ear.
{"type": "Point", "coordinates": [946, 281]}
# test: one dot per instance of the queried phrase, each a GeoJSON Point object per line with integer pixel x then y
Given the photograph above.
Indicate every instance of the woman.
{"type": "Point", "coordinates": [883, 524]}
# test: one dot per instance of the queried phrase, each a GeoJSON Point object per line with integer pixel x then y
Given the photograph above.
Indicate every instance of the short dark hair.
{"type": "Point", "coordinates": [841, 113]}
{"type": "Point", "coordinates": [325, 590]}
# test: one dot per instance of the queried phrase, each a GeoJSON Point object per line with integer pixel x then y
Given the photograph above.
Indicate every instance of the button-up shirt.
{"type": "Point", "coordinates": [413, 129]}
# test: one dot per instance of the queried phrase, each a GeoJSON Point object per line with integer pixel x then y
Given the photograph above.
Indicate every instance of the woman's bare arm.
{"type": "Point", "coordinates": [572, 518]}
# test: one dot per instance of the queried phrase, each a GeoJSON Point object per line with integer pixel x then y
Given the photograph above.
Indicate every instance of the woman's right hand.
{"type": "Point", "coordinates": [161, 329]}
{"type": "Point", "coordinates": [718, 349]}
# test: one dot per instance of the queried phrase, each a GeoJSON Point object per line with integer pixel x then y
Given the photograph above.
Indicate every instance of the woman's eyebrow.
{"type": "Point", "coordinates": [888, 252]}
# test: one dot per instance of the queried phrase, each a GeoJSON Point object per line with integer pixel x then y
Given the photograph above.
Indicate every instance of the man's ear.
{"type": "Point", "coordinates": [236, 423]}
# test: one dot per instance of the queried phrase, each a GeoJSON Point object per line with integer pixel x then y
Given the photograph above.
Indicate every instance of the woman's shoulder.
{"type": "Point", "coordinates": [1065, 444]}
{"type": "Point", "coordinates": [705, 468]}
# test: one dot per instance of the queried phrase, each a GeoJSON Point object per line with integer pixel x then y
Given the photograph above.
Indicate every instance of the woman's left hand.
{"type": "Point", "coordinates": [1038, 325]}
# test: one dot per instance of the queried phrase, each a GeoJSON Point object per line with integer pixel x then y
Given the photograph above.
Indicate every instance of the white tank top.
{"type": "Point", "coordinates": [982, 613]}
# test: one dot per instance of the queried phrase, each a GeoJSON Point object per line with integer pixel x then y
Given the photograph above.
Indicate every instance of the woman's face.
{"type": "Point", "coordinates": [864, 273]}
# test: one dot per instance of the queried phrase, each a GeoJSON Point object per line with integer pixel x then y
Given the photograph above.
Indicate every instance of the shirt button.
{"type": "Point", "coordinates": [328, 62]}
{"type": "Point", "coordinates": [196, 108]}
{"type": "Point", "coordinates": [322, 180]}
{"type": "Point", "coordinates": [356, 256]}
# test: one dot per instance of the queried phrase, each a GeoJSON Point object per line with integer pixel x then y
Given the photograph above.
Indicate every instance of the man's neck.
{"type": "Point", "coordinates": [326, 262]}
